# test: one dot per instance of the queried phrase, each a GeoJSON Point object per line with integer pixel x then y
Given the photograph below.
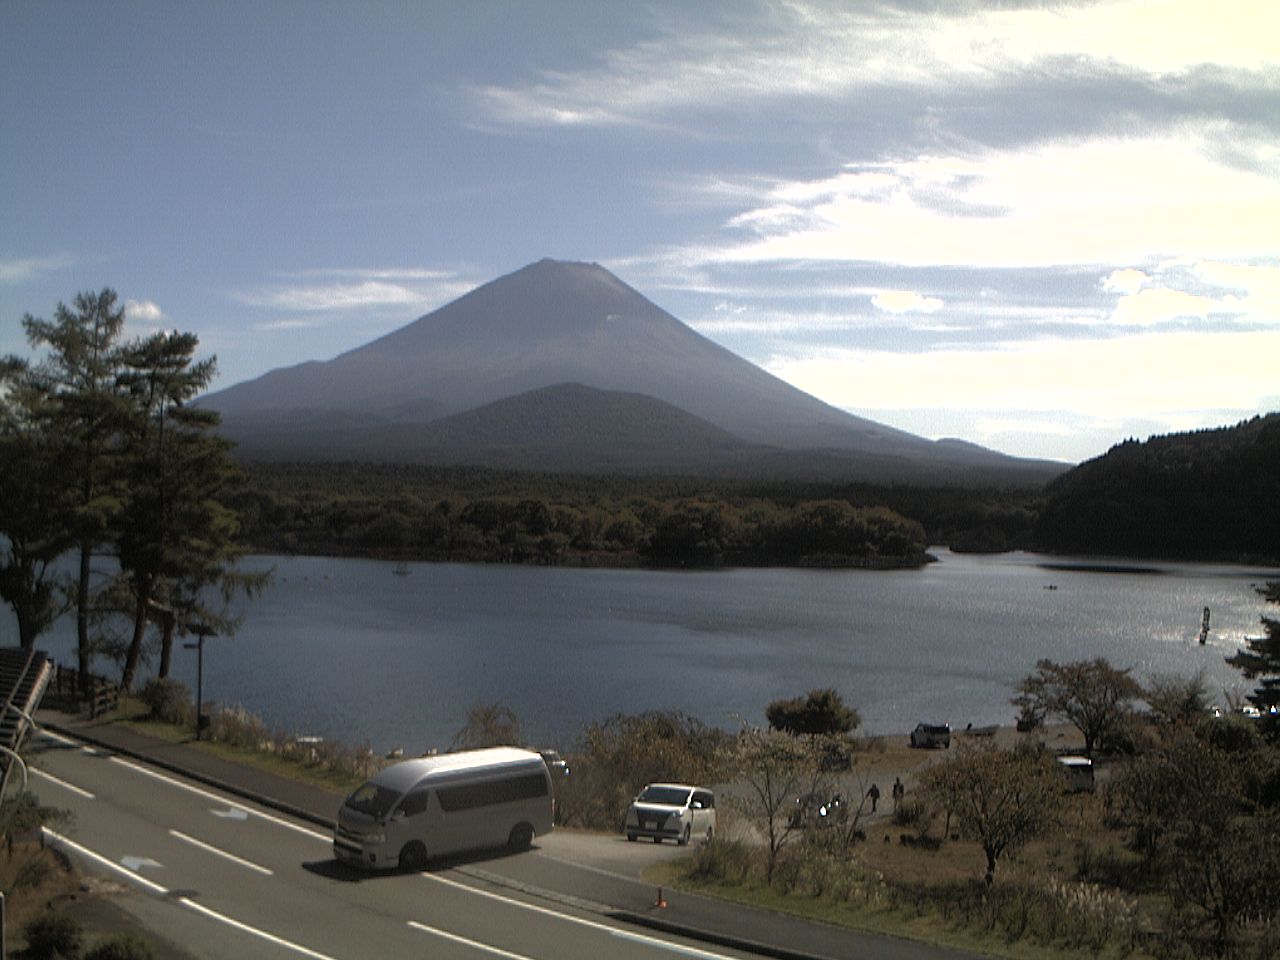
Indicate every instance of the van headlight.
{"type": "Point", "coordinates": [376, 838]}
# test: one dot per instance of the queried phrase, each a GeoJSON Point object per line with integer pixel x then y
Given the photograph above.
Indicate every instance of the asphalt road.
{"type": "Point", "coordinates": [225, 878]}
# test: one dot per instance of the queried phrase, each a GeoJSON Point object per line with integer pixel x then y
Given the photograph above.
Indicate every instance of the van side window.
{"type": "Point", "coordinates": [415, 803]}
{"type": "Point", "coordinates": [704, 799]}
{"type": "Point", "coordinates": [469, 795]}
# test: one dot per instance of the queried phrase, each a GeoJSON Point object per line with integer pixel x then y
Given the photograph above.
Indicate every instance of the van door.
{"type": "Point", "coordinates": [410, 821]}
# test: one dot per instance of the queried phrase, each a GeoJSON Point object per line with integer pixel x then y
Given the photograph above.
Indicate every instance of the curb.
{"type": "Point", "coordinates": [209, 781]}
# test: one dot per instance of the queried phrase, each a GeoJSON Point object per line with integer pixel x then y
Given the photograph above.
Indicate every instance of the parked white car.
{"type": "Point", "coordinates": [674, 811]}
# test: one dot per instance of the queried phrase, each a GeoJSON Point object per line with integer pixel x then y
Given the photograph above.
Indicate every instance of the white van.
{"type": "Point", "coordinates": [1078, 773]}
{"type": "Point", "coordinates": [439, 805]}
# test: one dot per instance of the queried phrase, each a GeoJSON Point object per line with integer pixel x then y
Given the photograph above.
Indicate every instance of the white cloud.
{"type": "Point", "coordinates": [1156, 305]}
{"type": "Point", "coordinates": [333, 296]}
{"type": "Point", "coordinates": [1158, 375]}
{"type": "Point", "coordinates": [143, 311]}
{"type": "Point", "coordinates": [1127, 281]}
{"type": "Point", "coordinates": [1121, 200]}
{"type": "Point", "coordinates": [830, 51]}
{"type": "Point", "coordinates": [1258, 284]}
{"type": "Point", "coordinates": [905, 301]}
{"type": "Point", "coordinates": [354, 289]}
{"type": "Point", "coordinates": [25, 269]}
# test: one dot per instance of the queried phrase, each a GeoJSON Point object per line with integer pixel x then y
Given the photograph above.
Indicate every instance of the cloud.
{"type": "Point", "coordinates": [355, 289]}
{"type": "Point", "coordinates": [333, 296]}
{"type": "Point", "coordinates": [26, 269]}
{"type": "Point", "coordinates": [143, 311]}
{"type": "Point", "coordinates": [1151, 306]}
{"type": "Point", "coordinates": [772, 51]}
{"type": "Point", "coordinates": [1127, 281]}
{"type": "Point", "coordinates": [1102, 201]}
{"type": "Point", "coordinates": [1156, 375]}
{"type": "Point", "coordinates": [905, 301]}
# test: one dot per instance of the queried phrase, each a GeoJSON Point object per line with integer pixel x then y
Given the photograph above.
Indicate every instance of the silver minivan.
{"type": "Point", "coordinates": [674, 811]}
{"type": "Point", "coordinates": [444, 804]}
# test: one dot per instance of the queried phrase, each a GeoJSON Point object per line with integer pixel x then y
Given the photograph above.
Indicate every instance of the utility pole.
{"type": "Point", "coordinates": [201, 630]}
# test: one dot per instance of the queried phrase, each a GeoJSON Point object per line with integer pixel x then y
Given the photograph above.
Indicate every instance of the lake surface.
{"type": "Point", "coordinates": [348, 649]}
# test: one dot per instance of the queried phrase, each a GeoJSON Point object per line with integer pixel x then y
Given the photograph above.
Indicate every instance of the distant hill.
{"type": "Point", "coordinates": [558, 366]}
{"type": "Point", "coordinates": [1207, 495]}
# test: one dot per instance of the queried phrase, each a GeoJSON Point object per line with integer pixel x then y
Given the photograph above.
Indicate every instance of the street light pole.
{"type": "Point", "coordinates": [201, 630]}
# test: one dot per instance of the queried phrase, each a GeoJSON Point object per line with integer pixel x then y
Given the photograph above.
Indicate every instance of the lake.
{"type": "Point", "coordinates": [356, 651]}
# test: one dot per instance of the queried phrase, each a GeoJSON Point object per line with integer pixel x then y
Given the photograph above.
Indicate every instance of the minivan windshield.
{"type": "Point", "coordinates": [671, 796]}
{"type": "Point", "coordinates": [373, 800]}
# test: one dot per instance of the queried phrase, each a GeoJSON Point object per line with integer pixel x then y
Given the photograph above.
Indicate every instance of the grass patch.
{"type": "Point", "coordinates": [241, 739]}
{"type": "Point", "coordinates": [877, 908]}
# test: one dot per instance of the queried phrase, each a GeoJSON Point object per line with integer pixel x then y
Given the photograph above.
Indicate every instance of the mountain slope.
{"type": "Point", "coordinates": [1207, 495]}
{"type": "Point", "coordinates": [545, 325]}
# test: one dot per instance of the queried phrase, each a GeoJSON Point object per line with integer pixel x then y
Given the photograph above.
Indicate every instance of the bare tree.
{"type": "Point", "coordinates": [999, 798]}
{"type": "Point", "coordinates": [1092, 695]}
{"type": "Point", "coordinates": [775, 768]}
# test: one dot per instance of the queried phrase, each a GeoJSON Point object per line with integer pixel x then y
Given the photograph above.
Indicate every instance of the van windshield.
{"type": "Point", "coordinates": [373, 800]}
{"type": "Point", "coordinates": [671, 796]}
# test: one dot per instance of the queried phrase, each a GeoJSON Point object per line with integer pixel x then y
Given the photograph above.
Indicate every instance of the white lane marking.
{"type": "Point", "coordinates": [137, 863]}
{"type": "Point", "coordinates": [582, 921]}
{"type": "Point", "coordinates": [221, 853]}
{"type": "Point", "coordinates": [231, 813]}
{"type": "Point", "coordinates": [476, 944]}
{"type": "Point", "coordinates": [62, 783]}
{"type": "Point", "coordinates": [59, 738]}
{"type": "Point", "coordinates": [58, 840]}
{"type": "Point", "coordinates": [269, 937]}
{"type": "Point", "coordinates": [185, 901]}
{"type": "Point", "coordinates": [305, 831]}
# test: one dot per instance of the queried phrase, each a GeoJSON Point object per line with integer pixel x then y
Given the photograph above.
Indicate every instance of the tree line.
{"type": "Point", "coordinates": [114, 488]}
{"type": "Point", "coordinates": [402, 511]}
{"type": "Point", "coordinates": [1204, 495]}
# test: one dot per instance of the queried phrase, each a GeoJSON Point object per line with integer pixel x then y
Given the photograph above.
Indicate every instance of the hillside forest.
{"type": "Point", "coordinates": [460, 514]}
{"type": "Point", "coordinates": [1210, 495]}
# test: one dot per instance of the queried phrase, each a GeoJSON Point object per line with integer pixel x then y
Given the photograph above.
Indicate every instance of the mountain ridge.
{"type": "Point", "coordinates": [549, 324]}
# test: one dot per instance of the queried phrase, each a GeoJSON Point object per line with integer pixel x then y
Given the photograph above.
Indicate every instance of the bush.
{"type": "Point", "coordinates": [53, 935]}
{"type": "Point", "coordinates": [123, 946]}
{"type": "Point", "coordinates": [722, 861]}
{"type": "Point", "coordinates": [168, 700]}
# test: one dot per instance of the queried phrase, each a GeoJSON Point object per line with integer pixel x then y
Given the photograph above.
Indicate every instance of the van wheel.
{"type": "Point", "coordinates": [711, 832]}
{"type": "Point", "coordinates": [521, 837]}
{"type": "Point", "coordinates": [631, 837]}
{"type": "Point", "coordinates": [413, 857]}
{"type": "Point", "coordinates": [684, 837]}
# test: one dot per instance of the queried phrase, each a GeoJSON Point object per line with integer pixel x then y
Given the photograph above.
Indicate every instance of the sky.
{"type": "Point", "coordinates": [1041, 227]}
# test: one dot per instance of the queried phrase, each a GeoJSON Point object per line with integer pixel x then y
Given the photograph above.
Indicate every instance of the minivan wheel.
{"type": "Point", "coordinates": [684, 837]}
{"type": "Point", "coordinates": [631, 837]}
{"type": "Point", "coordinates": [711, 833]}
{"type": "Point", "coordinates": [521, 837]}
{"type": "Point", "coordinates": [413, 856]}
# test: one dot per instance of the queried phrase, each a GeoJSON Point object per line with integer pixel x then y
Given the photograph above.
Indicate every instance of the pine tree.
{"type": "Point", "coordinates": [33, 504]}
{"type": "Point", "coordinates": [81, 379]}
{"type": "Point", "coordinates": [1261, 658]}
{"type": "Point", "coordinates": [175, 536]}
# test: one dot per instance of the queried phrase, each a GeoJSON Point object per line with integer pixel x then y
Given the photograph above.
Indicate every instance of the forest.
{"type": "Point", "coordinates": [397, 511]}
{"type": "Point", "coordinates": [1204, 495]}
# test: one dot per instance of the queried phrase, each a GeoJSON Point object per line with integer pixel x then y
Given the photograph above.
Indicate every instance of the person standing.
{"type": "Point", "coordinates": [898, 792]}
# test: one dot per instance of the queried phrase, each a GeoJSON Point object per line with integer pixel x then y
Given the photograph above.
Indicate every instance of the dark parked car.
{"type": "Point", "coordinates": [817, 809]}
{"type": "Point", "coordinates": [931, 735]}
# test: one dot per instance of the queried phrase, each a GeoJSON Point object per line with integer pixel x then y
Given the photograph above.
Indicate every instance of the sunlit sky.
{"type": "Point", "coordinates": [1042, 228]}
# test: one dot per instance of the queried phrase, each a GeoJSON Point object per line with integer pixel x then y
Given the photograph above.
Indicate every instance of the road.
{"type": "Point", "coordinates": [225, 878]}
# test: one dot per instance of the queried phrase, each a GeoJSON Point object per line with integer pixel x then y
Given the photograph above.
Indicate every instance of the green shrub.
{"type": "Point", "coordinates": [168, 700]}
{"type": "Point", "coordinates": [123, 946]}
{"type": "Point", "coordinates": [722, 861]}
{"type": "Point", "coordinates": [53, 935]}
